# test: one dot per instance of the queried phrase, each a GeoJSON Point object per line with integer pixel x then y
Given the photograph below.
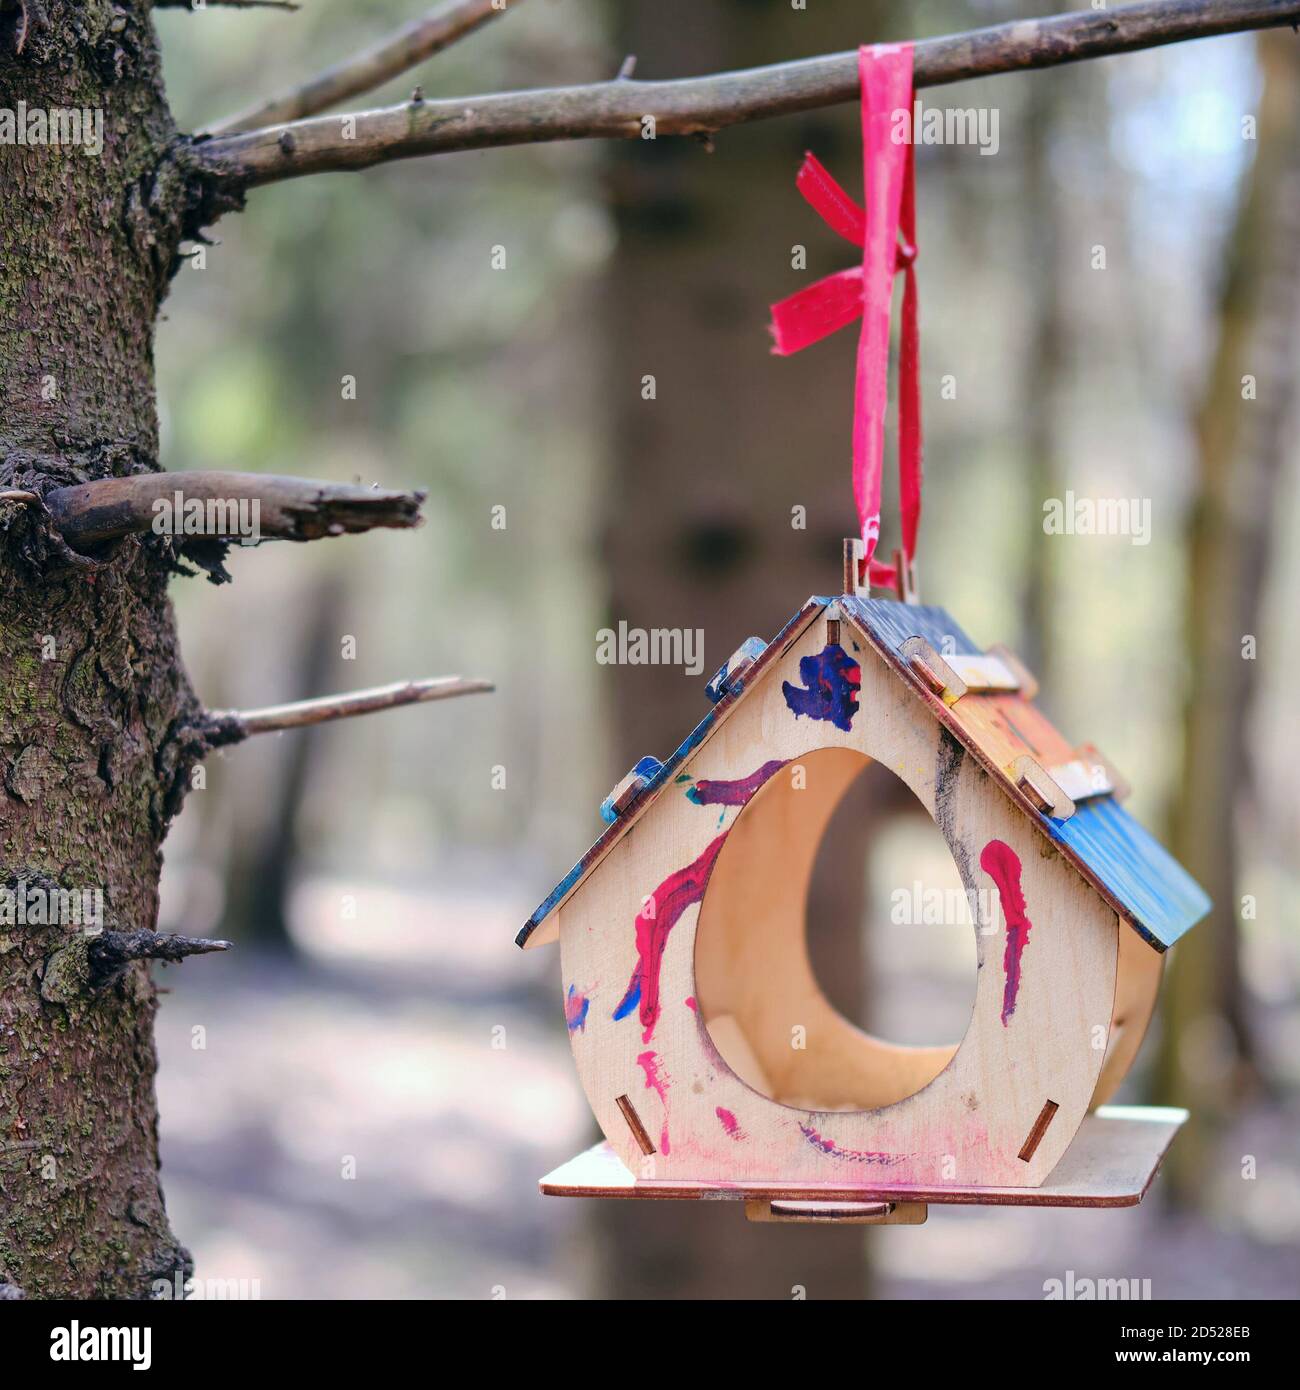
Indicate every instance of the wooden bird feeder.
{"type": "Point", "coordinates": [686, 975]}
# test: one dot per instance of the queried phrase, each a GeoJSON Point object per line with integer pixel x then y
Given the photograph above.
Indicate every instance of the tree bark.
{"type": "Point", "coordinates": [92, 764]}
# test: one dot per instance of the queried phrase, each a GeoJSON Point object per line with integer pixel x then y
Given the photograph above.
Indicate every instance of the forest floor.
{"type": "Point", "coordinates": [371, 1121]}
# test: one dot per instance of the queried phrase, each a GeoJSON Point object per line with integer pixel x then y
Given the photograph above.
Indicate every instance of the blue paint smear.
{"type": "Point", "coordinates": [832, 680]}
{"type": "Point", "coordinates": [630, 1001]}
{"type": "Point", "coordinates": [1164, 899]}
{"type": "Point", "coordinates": [577, 1018]}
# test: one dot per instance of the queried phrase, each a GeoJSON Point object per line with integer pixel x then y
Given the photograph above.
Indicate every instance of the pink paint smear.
{"type": "Point", "coordinates": [730, 1124]}
{"type": "Point", "coordinates": [658, 1081]}
{"type": "Point", "coordinates": [999, 861]}
{"type": "Point", "coordinates": [673, 896]}
{"type": "Point", "coordinates": [653, 923]}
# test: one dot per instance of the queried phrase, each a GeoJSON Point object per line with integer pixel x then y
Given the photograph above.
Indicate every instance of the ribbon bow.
{"type": "Point", "coordinates": [866, 290]}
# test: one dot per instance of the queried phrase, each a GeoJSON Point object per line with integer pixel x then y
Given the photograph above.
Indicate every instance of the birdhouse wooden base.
{"type": "Point", "coordinates": [714, 1063]}
{"type": "Point", "coordinates": [1110, 1163]}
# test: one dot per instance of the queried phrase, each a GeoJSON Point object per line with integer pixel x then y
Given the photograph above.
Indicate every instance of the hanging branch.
{"type": "Point", "coordinates": [703, 105]}
{"type": "Point", "coordinates": [295, 509]}
{"type": "Point", "coordinates": [406, 48]}
{"type": "Point", "coordinates": [233, 726]}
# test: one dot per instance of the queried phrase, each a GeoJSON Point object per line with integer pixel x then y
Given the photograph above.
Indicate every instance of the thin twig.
{"type": "Point", "coordinates": [295, 509]}
{"type": "Point", "coordinates": [227, 4]}
{"type": "Point", "coordinates": [237, 724]}
{"type": "Point", "coordinates": [702, 105]}
{"type": "Point", "coordinates": [406, 48]}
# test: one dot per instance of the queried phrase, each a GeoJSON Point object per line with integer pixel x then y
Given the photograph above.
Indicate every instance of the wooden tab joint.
{"type": "Point", "coordinates": [730, 676]}
{"type": "Point", "coordinates": [628, 788]}
{"type": "Point", "coordinates": [932, 670]}
{"type": "Point", "coordinates": [1041, 790]}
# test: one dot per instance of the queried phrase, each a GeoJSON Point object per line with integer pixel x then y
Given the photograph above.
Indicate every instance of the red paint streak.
{"type": "Point", "coordinates": [829, 1146]}
{"type": "Point", "coordinates": [730, 1123]}
{"type": "Point", "coordinates": [653, 923]}
{"type": "Point", "coordinates": [658, 1081]}
{"type": "Point", "coordinates": [999, 861]}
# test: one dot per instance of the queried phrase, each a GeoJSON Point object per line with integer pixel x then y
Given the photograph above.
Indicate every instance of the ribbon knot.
{"type": "Point", "coordinates": [888, 240]}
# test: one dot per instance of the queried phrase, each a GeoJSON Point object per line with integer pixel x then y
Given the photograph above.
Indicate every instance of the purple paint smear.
{"type": "Point", "coordinates": [829, 1146]}
{"type": "Point", "coordinates": [832, 680]}
{"type": "Point", "coordinates": [657, 1080]}
{"type": "Point", "coordinates": [575, 1010]}
{"type": "Point", "coordinates": [737, 793]}
{"type": "Point", "coordinates": [999, 861]}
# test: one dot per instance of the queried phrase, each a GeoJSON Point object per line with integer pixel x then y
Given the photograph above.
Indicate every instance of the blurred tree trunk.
{"type": "Point", "coordinates": [1207, 1055]}
{"type": "Point", "coordinates": [263, 868]}
{"type": "Point", "coordinates": [705, 528]}
{"type": "Point", "coordinates": [1047, 348]}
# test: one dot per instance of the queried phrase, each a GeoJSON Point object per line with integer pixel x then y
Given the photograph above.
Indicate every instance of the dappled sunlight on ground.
{"type": "Point", "coordinates": [337, 1133]}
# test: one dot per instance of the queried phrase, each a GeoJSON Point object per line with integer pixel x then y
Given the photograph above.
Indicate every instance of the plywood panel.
{"type": "Point", "coordinates": [1045, 989]}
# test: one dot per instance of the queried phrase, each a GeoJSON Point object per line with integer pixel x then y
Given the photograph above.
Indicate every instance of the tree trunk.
{"type": "Point", "coordinates": [1206, 1057]}
{"type": "Point", "coordinates": [1046, 363]}
{"type": "Point", "coordinates": [94, 696]}
{"type": "Point", "coordinates": [730, 500]}
{"type": "Point", "coordinates": [266, 858]}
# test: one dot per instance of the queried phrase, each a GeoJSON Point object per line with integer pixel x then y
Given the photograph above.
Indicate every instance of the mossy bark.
{"type": "Point", "coordinates": [93, 699]}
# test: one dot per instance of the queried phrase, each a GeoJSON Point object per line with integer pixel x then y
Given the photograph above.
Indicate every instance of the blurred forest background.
{"type": "Point", "coordinates": [373, 872]}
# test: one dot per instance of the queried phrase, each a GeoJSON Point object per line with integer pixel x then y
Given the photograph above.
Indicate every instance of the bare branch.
{"type": "Point", "coordinates": [294, 509]}
{"type": "Point", "coordinates": [109, 953]}
{"type": "Point", "coordinates": [233, 726]}
{"type": "Point", "coordinates": [227, 4]}
{"type": "Point", "coordinates": [409, 46]}
{"type": "Point", "coordinates": [702, 105]}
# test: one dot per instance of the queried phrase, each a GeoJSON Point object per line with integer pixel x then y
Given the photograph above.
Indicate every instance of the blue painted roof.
{"type": "Point", "coordinates": [892, 623]}
{"type": "Point", "coordinates": [1163, 899]}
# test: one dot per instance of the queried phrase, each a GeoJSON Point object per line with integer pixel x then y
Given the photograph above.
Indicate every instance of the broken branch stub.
{"type": "Point", "coordinates": [244, 507]}
{"type": "Point", "coordinates": [109, 953]}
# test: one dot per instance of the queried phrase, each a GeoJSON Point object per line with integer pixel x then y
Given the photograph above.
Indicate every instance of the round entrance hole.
{"type": "Point", "coordinates": [791, 869]}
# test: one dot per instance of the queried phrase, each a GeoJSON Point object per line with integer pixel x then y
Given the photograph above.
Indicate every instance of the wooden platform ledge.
{"type": "Point", "coordinates": [1111, 1163]}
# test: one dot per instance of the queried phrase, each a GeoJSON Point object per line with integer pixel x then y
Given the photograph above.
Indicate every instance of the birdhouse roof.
{"type": "Point", "coordinates": [984, 700]}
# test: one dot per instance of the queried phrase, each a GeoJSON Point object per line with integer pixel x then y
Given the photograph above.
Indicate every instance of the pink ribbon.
{"type": "Point", "coordinates": [866, 291]}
